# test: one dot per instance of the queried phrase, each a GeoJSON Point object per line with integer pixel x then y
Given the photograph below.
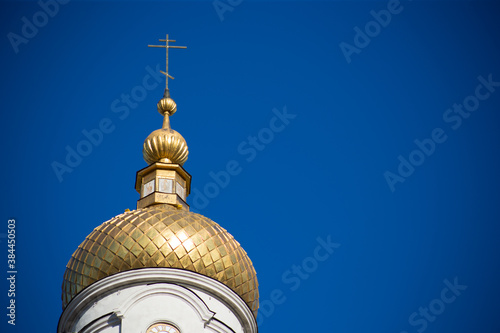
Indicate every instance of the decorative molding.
{"type": "Point", "coordinates": [172, 289]}
{"type": "Point", "coordinates": [218, 327]}
{"type": "Point", "coordinates": [148, 276]}
{"type": "Point", "coordinates": [100, 323]}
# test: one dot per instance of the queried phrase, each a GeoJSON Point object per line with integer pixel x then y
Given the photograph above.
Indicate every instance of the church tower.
{"type": "Point", "coordinates": [160, 268]}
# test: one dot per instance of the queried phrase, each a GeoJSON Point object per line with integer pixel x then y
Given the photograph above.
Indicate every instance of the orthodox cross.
{"type": "Point", "coordinates": [167, 46]}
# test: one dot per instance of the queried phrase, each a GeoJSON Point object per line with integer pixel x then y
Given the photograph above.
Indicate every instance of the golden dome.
{"type": "Point", "coordinates": [161, 236]}
{"type": "Point", "coordinates": [165, 145]}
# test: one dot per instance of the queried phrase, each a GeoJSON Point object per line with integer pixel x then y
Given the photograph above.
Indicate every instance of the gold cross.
{"type": "Point", "coordinates": [166, 46]}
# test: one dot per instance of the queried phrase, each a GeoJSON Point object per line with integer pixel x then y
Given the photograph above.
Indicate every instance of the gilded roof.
{"type": "Point", "coordinates": [161, 236]}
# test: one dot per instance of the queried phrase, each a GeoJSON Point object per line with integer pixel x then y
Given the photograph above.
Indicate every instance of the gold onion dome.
{"type": "Point", "coordinates": [165, 144]}
{"type": "Point", "coordinates": [161, 236]}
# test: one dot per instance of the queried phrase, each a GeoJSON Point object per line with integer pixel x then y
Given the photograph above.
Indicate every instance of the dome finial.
{"type": "Point", "coordinates": [166, 145]}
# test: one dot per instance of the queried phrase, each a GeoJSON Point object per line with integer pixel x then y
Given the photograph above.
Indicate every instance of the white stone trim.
{"type": "Point", "coordinates": [178, 291]}
{"type": "Point", "coordinates": [145, 276]}
{"type": "Point", "coordinates": [101, 323]}
{"type": "Point", "coordinates": [218, 327]}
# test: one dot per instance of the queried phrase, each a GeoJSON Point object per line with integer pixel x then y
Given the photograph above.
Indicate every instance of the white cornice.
{"type": "Point", "coordinates": [145, 276]}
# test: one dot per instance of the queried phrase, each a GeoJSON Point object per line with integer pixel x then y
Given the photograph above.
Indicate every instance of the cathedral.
{"type": "Point", "coordinates": [160, 268]}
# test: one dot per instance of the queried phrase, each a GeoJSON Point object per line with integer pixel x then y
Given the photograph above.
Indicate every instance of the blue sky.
{"type": "Point", "coordinates": [372, 126]}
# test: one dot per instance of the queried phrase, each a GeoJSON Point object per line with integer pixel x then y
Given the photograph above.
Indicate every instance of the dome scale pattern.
{"type": "Point", "coordinates": [161, 236]}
